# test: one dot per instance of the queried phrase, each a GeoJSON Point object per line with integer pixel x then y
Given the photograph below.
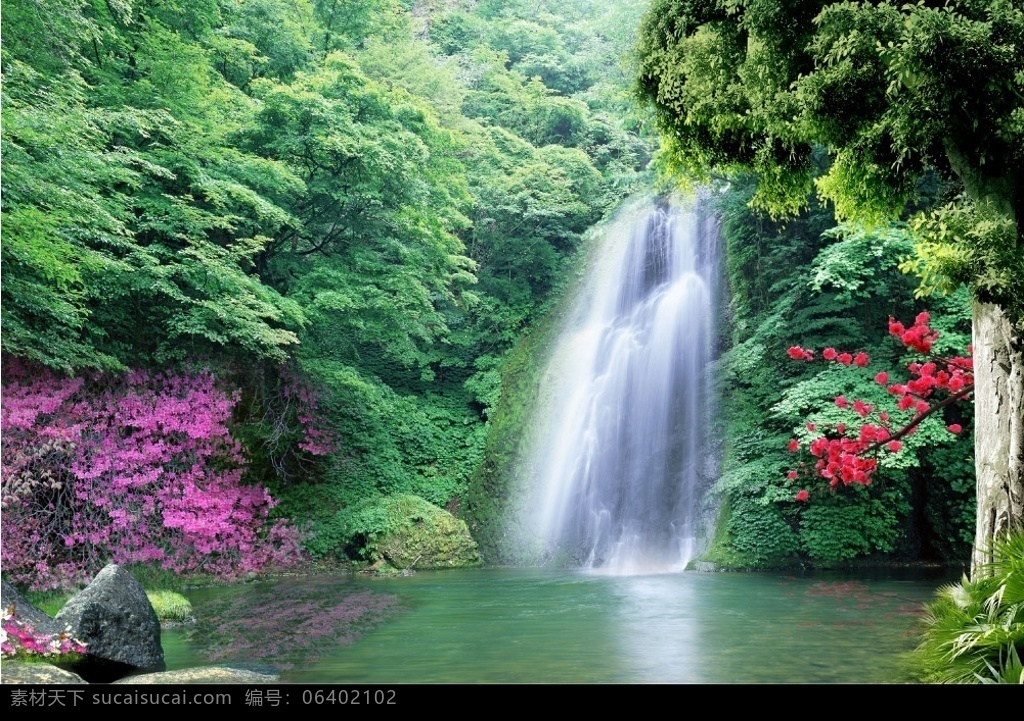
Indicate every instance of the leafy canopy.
{"type": "Point", "coordinates": [890, 89]}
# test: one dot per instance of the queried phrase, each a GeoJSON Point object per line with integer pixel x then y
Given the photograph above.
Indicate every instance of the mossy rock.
{"type": "Point", "coordinates": [417, 535]}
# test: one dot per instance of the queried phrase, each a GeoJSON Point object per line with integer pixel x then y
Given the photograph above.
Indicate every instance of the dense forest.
{"type": "Point", "coordinates": [344, 213]}
{"type": "Point", "coordinates": [280, 276]}
{"type": "Point", "coordinates": [890, 94]}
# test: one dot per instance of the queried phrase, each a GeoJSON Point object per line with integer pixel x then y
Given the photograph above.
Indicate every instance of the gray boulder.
{"type": "Point", "coordinates": [35, 673]}
{"type": "Point", "coordinates": [115, 619]}
{"type": "Point", "coordinates": [26, 612]}
{"type": "Point", "coordinates": [211, 674]}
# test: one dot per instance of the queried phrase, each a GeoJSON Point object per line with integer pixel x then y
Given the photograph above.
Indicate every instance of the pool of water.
{"type": "Point", "coordinates": [548, 626]}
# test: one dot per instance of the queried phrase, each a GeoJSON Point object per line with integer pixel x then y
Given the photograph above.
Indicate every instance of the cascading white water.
{"type": "Point", "coordinates": [625, 446]}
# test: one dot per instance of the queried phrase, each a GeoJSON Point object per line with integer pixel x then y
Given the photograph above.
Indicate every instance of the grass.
{"type": "Point", "coordinates": [170, 606]}
{"type": "Point", "coordinates": [49, 602]}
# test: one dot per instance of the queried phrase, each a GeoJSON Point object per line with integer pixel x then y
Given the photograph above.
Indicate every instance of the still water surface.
{"type": "Point", "coordinates": [547, 626]}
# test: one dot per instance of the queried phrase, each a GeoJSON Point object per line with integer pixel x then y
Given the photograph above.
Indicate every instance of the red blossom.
{"type": "Point", "coordinates": [798, 353]}
{"type": "Point", "coordinates": [844, 458]}
{"type": "Point", "coordinates": [861, 408]}
{"type": "Point", "coordinates": [803, 495]}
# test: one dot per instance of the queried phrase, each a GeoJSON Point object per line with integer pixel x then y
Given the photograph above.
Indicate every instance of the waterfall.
{"type": "Point", "coordinates": [624, 452]}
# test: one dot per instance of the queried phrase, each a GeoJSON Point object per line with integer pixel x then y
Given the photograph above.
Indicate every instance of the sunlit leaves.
{"type": "Point", "coordinates": [970, 243]}
{"type": "Point", "coordinates": [888, 88]}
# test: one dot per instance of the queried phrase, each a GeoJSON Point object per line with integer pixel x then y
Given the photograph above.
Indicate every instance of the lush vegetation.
{"type": "Point", "coordinates": [863, 103]}
{"type": "Point", "coordinates": [280, 273]}
{"type": "Point", "coordinates": [890, 91]}
{"type": "Point", "coordinates": [331, 220]}
{"type": "Point", "coordinates": [340, 219]}
{"type": "Point", "coordinates": [974, 630]}
{"type": "Point", "coordinates": [839, 285]}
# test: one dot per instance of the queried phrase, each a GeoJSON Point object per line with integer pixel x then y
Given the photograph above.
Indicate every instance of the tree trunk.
{"type": "Point", "coordinates": [999, 428]}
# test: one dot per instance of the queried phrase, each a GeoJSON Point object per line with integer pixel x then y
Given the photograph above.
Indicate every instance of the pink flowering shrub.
{"type": "Point", "coordinates": [19, 639]}
{"type": "Point", "coordinates": [139, 468]}
{"type": "Point", "coordinates": [848, 453]}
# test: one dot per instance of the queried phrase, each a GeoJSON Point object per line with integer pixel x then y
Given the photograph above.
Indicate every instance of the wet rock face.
{"type": "Point", "coordinates": [113, 616]}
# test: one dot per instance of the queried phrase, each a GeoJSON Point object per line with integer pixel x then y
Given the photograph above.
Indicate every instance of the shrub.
{"type": "Point", "coordinates": [405, 531]}
{"type": "Point", "coordinates": [974, 630]}
{"type": "Point", "coordinates": [138, 468]}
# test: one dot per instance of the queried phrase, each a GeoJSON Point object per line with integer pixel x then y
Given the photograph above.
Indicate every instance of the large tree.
{"type": "Point", "coordinates": [891, 90]}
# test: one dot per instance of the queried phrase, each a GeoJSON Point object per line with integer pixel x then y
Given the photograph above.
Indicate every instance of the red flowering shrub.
{"type": "Point", "coordinates": [136, 468]}
{"type": "Point", "coordinates": [847, 455]}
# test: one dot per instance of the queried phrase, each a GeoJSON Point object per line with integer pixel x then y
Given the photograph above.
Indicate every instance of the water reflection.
{"type": "Point", "coordinates": [657, 631]}
{"type": "Point", "coordinates": [543, 626]}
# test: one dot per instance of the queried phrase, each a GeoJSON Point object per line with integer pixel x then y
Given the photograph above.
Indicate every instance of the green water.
{"type": "Point", "coordinates": [545, 626]}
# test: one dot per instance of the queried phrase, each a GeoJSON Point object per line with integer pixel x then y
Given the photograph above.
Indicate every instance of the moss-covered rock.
{"type": "Point", "coordinates": [406, 532]}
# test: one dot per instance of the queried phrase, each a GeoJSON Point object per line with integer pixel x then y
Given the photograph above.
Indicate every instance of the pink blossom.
{"type": "Point", "coordinates": [151, 474]}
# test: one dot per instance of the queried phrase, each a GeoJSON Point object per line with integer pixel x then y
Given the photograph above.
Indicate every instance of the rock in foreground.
{"type": "Point", "coordinates": [212, 674]}
{"type": "Point", "coordinates": [115, 619]}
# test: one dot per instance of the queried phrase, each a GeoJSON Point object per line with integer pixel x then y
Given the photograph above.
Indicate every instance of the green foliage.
{"type": "Point", "coordinates": [120, 222]}
{"type": "Point", "coordinates": [422, 443]}
{"type": "Point", "coordinates": [888, 88]}
{"type": "Point", "coordinates": [405, 531]}
{"type": "Point", "coordinates": [857, 523]}
{"type": "Point", "coordinates": [310, 185]}
{"type": "Point", "coordinates": [49, 602]}
{"type": "Point", "coordinates": [862, 263]}
{"type": "Point", "coordinates": [263, 38]}
{"type": "Point", "coordinates": [971, 244]}
{"type": "Point", "coordinates": [838, 286]}
{"type": "Point", "coordinates": [974, 630]}
{"type": "Point", "coordinates": [950, 504]}
{"type": "Point", "coordinates": [760, 533]}
{"type": "Point", "coordinates": [170, 606]}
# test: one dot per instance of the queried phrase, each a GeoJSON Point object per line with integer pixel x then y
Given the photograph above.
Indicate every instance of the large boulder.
{"type": "Point", "coordinates": [115, 620]}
